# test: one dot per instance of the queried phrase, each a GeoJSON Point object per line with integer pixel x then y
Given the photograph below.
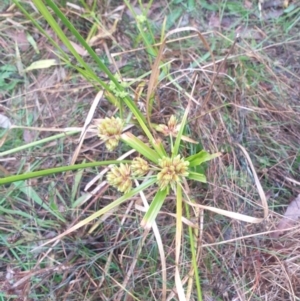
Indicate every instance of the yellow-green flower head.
{"type": "Point", "coordinates": [110, 130]}
{"type": "Point", "coordinates": [170, 129]}
{"type": "Point", "coordinates": [139, 167]}
{"type": "Point", "coordinates": [119, 177]}
{"type": "Point", "coordinates": [162, 128]}
{"type": "Point", "coordinates": [172, 170]}
{"type": "Point", "coordinates": [172, 123]}
{"type": "Point", "coordinates": [141, 19]}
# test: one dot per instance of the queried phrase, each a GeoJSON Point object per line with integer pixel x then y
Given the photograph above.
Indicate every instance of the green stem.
{"type": "Point", "coordinates": [32, 144]}
{"type": "Point", "coordinates": [46, 172]}
{"type": "Point", "coordinates": [194, 256]}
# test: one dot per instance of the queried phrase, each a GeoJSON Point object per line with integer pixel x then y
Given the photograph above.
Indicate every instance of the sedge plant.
{"type": "Point", "coordinates": [167, 172]}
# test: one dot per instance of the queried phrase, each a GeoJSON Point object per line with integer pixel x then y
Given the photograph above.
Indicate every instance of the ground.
{"type": "Point", "coordinates": [239, 71]}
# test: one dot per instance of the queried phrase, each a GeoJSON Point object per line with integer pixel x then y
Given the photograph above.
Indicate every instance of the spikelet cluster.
{"type": "Point", "coordinates": [172, 170]}
{"type": "Point", "coordinates": [110, 130]}
{"type": "Point", "coordinates": [139, 167]}
{"type": "Point", "coordinates": [170, 129]}
{"type": "Point", "coordinates": [120, 177]}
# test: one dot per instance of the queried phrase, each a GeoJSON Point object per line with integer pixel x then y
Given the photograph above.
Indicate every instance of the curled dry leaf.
{"type": "Point", "coordinates": [248, 4]}
{"type": "Point", "coordinates": [20, 38]}
{"type": "Point", "coordinates": [4, 122]}
{"type": "Point", "coordinates": [274, 3]}
{"type": "Point", "coordinates": [273, 13]}
{"type": "Point", "coordinates": [29, 136]}
{"type": "Point", "coordinates": [42, 64]}
{"type": "Point", "coordinates": [214, 20]}
{"type": "Point", "coordinates": [79, 49]}
{"type": "Point", "coordinates": [290, 217]}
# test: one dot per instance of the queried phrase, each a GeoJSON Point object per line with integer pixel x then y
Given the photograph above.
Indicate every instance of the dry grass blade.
{"type": "Point", "coordinates": [230, 214]}
{"type": "Point", "coordinates": [259, 234]}
{"type": "Point", "coordinates": [179, 285]}
{"type": "Point", "coordinates": [86, 124]}
{"type": "Point", "coordinates": [173, 294]}
{"type": "Point", "coordinates": [161, 252]}
{"type": "Point", "coordinates": [292, 181]}
{"type": "Point", "coordinates": [239, 216]}
{"type": "Point", "coordinates": [217, 72]}
{"type": "Point", "coordinates": [155, 69]}
{"type": "Point", "coordinates": [178, 241]}
{"type": "Point", "coordinates": [260, 190]}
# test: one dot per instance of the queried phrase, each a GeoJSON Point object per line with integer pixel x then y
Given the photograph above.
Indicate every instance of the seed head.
{"type": "Point", "coordinates": [110, 130]}
{"type": "Point", "coordinates": [170, 129]}
{"type": "Point", "coordinates": [139, 167]}
{"type": "Point", "coordinates": [172, 170]}
{"type": "Point", "coordinates": [119, 177]}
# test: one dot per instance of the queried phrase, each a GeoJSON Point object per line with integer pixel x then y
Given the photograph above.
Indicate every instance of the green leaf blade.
{"type": "Point", "coordinates": [180, 132]}
{"type": "Point", "coordinates": [197, 177]}
{"type": "Point", "coordinates": [201, 157]}
{"type": "Point", "coordinates": [140, 147]}
{"type": "Point", "coordinates": [154, 208]}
